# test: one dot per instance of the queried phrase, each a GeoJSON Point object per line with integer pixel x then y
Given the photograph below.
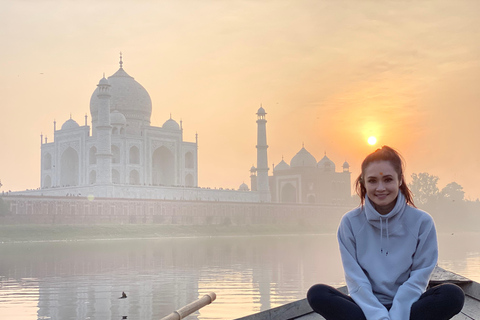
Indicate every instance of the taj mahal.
{"type": "Point", "coordinates": [122, 156]}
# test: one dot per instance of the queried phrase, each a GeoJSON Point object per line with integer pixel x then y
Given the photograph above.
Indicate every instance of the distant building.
{"type": "Point", "coordinates": [306, 181]}
{"type": "Point", "coordinates": [123, 156]}
{"type": "Point", "coordinates": [303, 180]}
{"type": "Point", "coordinates": [123, 149]}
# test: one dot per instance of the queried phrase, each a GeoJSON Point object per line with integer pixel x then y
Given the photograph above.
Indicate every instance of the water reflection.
{"type": "Point", "coordinates": [460, 253]}
{"type": "Point", "coordinates": [84, 280]}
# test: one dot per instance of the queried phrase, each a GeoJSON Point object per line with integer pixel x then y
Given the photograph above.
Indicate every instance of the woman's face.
{"type": "Point", "coordinates": [382, 183]}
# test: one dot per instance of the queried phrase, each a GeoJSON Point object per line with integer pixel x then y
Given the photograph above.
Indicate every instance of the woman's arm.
{"type": "Point", "coordinates": [424, 261]}
{"type": "Point", "coordinates": [359, 286]}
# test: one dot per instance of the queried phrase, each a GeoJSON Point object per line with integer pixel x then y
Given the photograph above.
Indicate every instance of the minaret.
{"type": "Point", "coordinates": [104, 134]}
{"type": "Point", "coordinates": [262, 161]}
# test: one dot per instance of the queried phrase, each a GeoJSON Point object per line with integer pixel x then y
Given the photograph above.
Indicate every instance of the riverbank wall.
{"type": "Point", "coordinates": [84, 211]}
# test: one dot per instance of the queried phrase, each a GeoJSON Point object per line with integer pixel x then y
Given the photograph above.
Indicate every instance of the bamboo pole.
{"type": "Point", "coordinates": [191, 307]}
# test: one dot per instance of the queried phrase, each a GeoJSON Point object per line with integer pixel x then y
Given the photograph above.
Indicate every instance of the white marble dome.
{"type": "Point", "coordinates": [281, 166]}
{"type": "Point", "coordinates": [171, 124]}
{"type": "Point", "coordinates": [243, 187]}
{"type": "Point", "coordinates": [103, 81]}
{"type": "Point", "coordinates": [127, 96]}
{"type": "Point", "coordinates": [116, 118]}
{"type": "Point", "coordinates": [303, 159]}
{"type": "Point", "coordinates": [326, 164]}
{"type": "Point", "coordinates": [70, 124]}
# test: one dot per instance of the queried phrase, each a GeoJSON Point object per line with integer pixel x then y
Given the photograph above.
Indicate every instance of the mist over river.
{"type": "Point", "coordinates": [84, 279]}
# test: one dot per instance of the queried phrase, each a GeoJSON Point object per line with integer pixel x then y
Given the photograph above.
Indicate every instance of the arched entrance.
{"type": "Point", "coordinates": [189, 180]}
{"type": "Point", "coordinates": [69, 168]}
{"type": "Point", "coordinates": [47, 162]}
{"type": "Point", "coordinates": [47, 183]}
{"type": "Point", "coordinates": [115, 176]}
{"type": "Point", "coordinates": [163, 167]}
{"type": "Point", "coordinates": [289, 193]}
{"type": "Point", "coordinates": [92, 179]}
{"type": "Point", "coordinates": [115, 154]}
{"type": "Point", "coordinates": [92, 156]}
{"type": "Point", "coordinates": [189, 163]}
{"type": "Point", "coordinates": [134, 177]}
{"type": "Point", "coordinates": [134, 157]}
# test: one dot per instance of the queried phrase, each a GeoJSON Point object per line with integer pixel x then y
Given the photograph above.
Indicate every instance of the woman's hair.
{"type": "Point", "coordinates": [385, 153]}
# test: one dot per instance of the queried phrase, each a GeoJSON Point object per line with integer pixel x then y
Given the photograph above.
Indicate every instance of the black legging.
{"type": "Point", "coordinates": [438, 303]}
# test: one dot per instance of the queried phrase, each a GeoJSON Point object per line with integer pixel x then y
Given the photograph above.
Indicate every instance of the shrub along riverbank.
{"type": "Point", "coordinates": [23, 233]}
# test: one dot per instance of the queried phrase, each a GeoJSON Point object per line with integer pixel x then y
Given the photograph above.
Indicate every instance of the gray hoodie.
{"type": "Point", "coordinates": [387, 259]}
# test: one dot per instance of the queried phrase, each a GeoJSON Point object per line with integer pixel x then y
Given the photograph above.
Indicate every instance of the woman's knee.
{"type": "Point", "coordinates": [455, 294]}
{"type": "Point", "coordinates": [449, 297]}
{"type": "Point", "coordinates": [318, 293]}
{"type": "Point", "coordinates": [333, 304]}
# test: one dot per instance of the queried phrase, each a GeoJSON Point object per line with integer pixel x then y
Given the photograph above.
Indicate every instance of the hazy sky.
{"type": "Point", "coordinates": [328, 73]}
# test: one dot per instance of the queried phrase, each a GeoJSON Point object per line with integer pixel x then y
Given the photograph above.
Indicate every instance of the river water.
{"type": "Point", "coordinates": [84, 279]}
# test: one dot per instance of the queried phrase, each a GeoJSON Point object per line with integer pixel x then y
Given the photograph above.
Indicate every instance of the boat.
{"type": "Point", "coordinates": [301, 310]}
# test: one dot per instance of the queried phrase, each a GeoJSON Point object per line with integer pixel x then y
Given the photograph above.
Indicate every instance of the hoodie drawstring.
{"type": "Point", "coordinates": [388, 240]}
{"type": "Point", "coordinates": [381, 236]}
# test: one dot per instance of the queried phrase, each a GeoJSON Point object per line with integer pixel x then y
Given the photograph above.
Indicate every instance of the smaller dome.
{"type": "Point", "coordinates": [281, 166]}
{"type": "Point", "coordinates": [253, 169]}
{"type": "Point", "coordinates": [326, 164]}
{"type": "Point", "coordinates": [261, 111]}
{"type": "Point", "coordinates": [243, 187]}
{"type": "Point", "coordinates": [103, 81]}
{"type": "Point", "coordinates": [70, 124]}
{"type": "Point", "coordinates": [346, 165]}
{"type": "Point", "coordinates": [303, 159]}
{"type": "Point", "coordinates": [117, 118]}
{"type": "Point", "coordinates": [171, 124]}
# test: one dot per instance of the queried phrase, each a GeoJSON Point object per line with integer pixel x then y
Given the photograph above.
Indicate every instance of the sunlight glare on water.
{"type": "Point", "coordinates": [18, 299]}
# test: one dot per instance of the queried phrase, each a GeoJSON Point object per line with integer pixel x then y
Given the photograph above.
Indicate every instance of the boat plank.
{"type": "Point", "coordinates": [472, 289]}
{"type": "Point", "coordinates": [288, 311]}
{"type": "Point", "coordinates": [441, 275]}
{"type": "Point", "coordinates": [471, 309]}
{"type": "Point", "coordinates": [292, 310]}
{"type": "Point", "coordinates": [301, 310]}
{"type": "Point", "coordinates": [311, 316]}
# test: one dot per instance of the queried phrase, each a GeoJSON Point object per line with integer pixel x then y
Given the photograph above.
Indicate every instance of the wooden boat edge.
{"type": "Point", "coordinates": [300, 308]}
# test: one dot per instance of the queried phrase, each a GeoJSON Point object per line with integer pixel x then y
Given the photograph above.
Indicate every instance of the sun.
{"type": "Point", "coordinates": [372, 140]}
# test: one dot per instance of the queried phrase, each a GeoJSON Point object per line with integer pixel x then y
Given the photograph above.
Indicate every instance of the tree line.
{"type": "Point", "coordinates": [448, 206]}
{"type": "Point", "coordinates": [425, 190]}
